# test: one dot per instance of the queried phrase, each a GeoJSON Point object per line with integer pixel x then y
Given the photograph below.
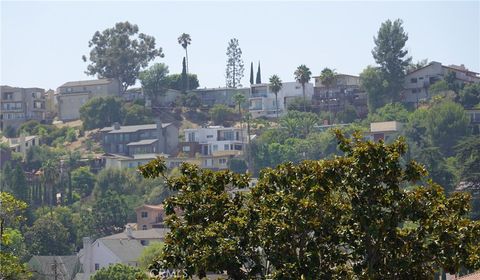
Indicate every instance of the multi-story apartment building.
{"type": "Point", "coordinates": [18, 105]}
{"type": "Point", "coordinates": [214, 145]}
{"type": "Point", "coordinates": [418, 82]}
{"type": "Point", "coordinates": [262, 99]}
{"type": "Point", "coordinates": [72, 95]}
{"type": "Point", "coordinates": [345, 90]}
{"type": "Point", "coordinates": [150, 216]}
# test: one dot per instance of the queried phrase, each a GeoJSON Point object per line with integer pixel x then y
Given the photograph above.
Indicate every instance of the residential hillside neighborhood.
{"type": "Point", "coordinates": [146, 174]}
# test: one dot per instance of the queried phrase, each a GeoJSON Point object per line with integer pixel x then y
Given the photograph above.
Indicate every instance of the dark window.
{"type": "Point", "coordinates": [97, 266]}
{"type": "Point", "coordinates": [144, 214]}
{"type": "Point", "coordinates": [413, 80]}
{"type": "Point", "coordinates": [144, 242]}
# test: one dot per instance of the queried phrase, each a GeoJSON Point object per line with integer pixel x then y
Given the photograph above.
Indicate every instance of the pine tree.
{"type": "Point", "coordinates": [234, 69]}
{"type": "Point", "coordinates": [251, 73]}
{"type": "Point", "coordinates": [259, 75]}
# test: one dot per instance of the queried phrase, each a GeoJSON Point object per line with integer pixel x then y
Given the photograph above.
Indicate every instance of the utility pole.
{"type": "Point", "coordinates": [54, 268]}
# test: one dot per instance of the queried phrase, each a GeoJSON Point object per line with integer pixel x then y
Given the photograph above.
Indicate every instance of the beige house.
{"type": "Point", "coordinates": [417, 83]}
{"type": "Point", "coordinates": [22, 143]}
{"type": "Point", "coordinates": [18, 105]}
{"type": "Point", "coordinates": [72, 95]}
{"type": "Point", "coordinates": [150, 216]}
{"type": "Point", "coordinates": [384, 130]}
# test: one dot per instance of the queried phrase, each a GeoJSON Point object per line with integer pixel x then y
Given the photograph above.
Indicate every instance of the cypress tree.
{"type": "Point", "coordinates": [259, 76]}
{"type": "Point", "coordinates": [251, 73]}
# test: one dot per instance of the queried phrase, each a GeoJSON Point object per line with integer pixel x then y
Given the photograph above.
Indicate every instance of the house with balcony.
{"type": "Point", "coordinates": [132, 145]}
{"type": "Point", "coordinates": [417, 83]}
{"type": "Point", "coordinates": [346, 90]}
{"type": "Point", "coordinates": [18, 105]}
{"type": "Point", "coordinates": [214, 145]}
{"type": "Point", "coordinates": [262, 99]}
{"type": "Point", "coordinates": [150, 216]}
{"type": "Point", "coordinates": [72, 95]}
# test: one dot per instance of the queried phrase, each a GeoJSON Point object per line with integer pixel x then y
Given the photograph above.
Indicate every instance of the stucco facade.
{"type": "Point", "coordinates": [18, 105]}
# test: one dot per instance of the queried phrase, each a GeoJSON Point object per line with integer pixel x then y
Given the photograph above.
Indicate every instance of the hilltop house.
{"type": "Point", "coordinates": [417, 82]}
{"type": "Point", "coordinates": [214, 145]}
{"type": "Point", "coordinates": [18, 105]}
{"type": "Point", "coordinates": [150, 216]}
{"type": "Point", "coordinates": [385, 131]}
{"type": "Point", "coordinates": [133, 145]}
{"type": "Point", "coordinates": [72, 95]}
{"type": "Point", "coordinates": [222, 95]}
{"type": "Point", "coordinates": [345, 90]}
{"type": "Point", "coordinates": [262, 99]}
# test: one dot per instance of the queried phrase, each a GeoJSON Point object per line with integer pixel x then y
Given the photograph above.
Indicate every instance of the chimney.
{"type": "Point", "coordinates": [128, 232]}
{"type": "Point", "coordinates": [116, 126]}
{"type": "Point", "coordinates": [87, 257]}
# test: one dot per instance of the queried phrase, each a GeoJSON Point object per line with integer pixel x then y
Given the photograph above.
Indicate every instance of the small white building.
{"type": "Point", "coordinates": [125, 248]}
{"type": "Point", "coordinates": [262, 99]}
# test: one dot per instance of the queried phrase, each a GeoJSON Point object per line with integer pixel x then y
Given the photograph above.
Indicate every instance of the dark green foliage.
{"type": "Point", "coordinates": [10, 132]}
{"type": "Point", "coordinates": [299, 104]}
{"type": "Point", "coordinates": [136, 114]}
{"type": "Point", "coordinates": [83, 181]}
{"type": "Point", "coordinates": [119, 272]}
{"type": "Point", "coordinates": [237, 165]}
{"type": "Point", "coordinates": [109, 214]}
{"type": "Point", "coordinates": [390, 112]}
{"type": "Point", "coordinates": [391, 55]}
{"type": "Point", "coordinates": [155, 80]}
{"type": "Point", "coordinates": [258, 80]}
{"type": "Point", "coordinates": [48, 236]}
{"type": "Point", "coordinates": [251, 73]}
{"type": "Point", "coordinates": [184, 76]}
{"type": "Point", "coordinates": [222, 115]}
{"type": "Point", "coordinates": [275, 86]}
{"type": "Point", "coordinates": [348, 115]}
{"type": "Point", "coordinates": [100, 112]}
{"type": "Point", "coordinates": [446, 123]}
{"type": "Point", "coordinates": [470, 95]}
{"type": "Point", "coordinates": [373, 82]}
{"type": "Point", "coordinates": [438, 88]}
{"type": "Point", "coordinates": [191, 101]}
{"type": "Point", "coordinates": [176, 82]}
{"type": "Point", "coordinates": [468, 154]}
{"type": "Point", "coordinates": [121, 52]}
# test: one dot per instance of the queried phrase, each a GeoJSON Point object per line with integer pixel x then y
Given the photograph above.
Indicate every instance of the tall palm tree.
{"type": "Point", "coordinates": [276, 86]}
{"type": "Point", "coordinates": [302, 75]}
{"type": "Point", "coordinates": [184, 40]}
{"type": "Point", "coordinates": [328, 79]}
{"type": "Point", "coordinates": [239, 99]}
{"type": "Point", "coordinates": [50, 172]}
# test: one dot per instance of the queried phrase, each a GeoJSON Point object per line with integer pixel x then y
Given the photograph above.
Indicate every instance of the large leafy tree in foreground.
{"type": "Point", "coordinates": [356, 216]}
{"type": "Point", "coordinates": [120, 53]}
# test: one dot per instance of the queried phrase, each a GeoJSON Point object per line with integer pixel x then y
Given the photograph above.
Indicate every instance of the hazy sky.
{"type": "Point", "coordinates": [42, 42]}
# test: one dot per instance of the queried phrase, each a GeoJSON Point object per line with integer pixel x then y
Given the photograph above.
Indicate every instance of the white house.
{"type": "Point", "coordinates": [262, 99]}
{"type": "Point", "coordinates": [125, 248]}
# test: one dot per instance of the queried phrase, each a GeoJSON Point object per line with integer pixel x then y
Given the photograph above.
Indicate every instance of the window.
{"type": "Point", "coordinates": [222, 161]}
{"type": "Point", "coordinates": [215, 148]}
{"type": "Point", "coordinates": [144, 242]}
{"type": "Point", "coordinates": [415, 90]}
{"type": "Point", "coordinates": [191, 137]}
{"type": "Point", "coordinates": [228, 135]}
{"type": "Point", "coordinates": [97, 266]}
{"type": "Point", "coordinates": [144, 227]}
{"type": "Point", "coordinates": [144, 214]}
{"type": "Point", "coordinates": [209, 136]}
{"type": "Point", "coordinates": [186, 148]}
{"type": "Point", "coordinates": [413, 80]}
{"type": "Point", "coordinates": [225, 147]}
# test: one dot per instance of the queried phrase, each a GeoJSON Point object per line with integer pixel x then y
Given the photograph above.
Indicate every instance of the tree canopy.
{"type": "Point", "coordinates": [100, 112]}
{"type": "Point", "coordinates": [121, 52]}
{"type": "Point", "coordinates": [348, 217]}
{"type": "Point", "coordinates": [390, 53]}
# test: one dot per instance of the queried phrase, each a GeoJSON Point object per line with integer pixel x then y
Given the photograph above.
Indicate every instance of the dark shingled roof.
{"type": "Point", "coordinates": [87, 83]}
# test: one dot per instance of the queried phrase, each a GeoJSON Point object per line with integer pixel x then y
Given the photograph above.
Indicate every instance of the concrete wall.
{"type": "Point", "coordinates": [69, 105]}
